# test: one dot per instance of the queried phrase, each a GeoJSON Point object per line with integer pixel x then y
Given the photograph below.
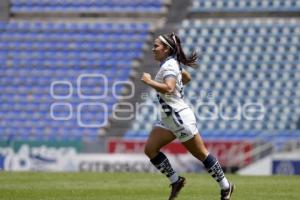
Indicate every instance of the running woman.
{"type": "Point", "coordinates": [177, 118]}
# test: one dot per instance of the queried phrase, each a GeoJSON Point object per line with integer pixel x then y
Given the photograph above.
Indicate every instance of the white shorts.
{"type": "Point", "coordinates": [182, 124]}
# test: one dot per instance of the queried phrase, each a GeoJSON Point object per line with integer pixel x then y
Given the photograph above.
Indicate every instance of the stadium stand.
{"type": "Point", "coordinates": [103, 6]}
{"type": "Point", "coordinates": [245, 6]}
{"type": "Point", "coordinates": [37, 55]}
{"type": "Point", "coordinates": [241, 61]}
{"type": "Point", "coordinates": [256, 61]}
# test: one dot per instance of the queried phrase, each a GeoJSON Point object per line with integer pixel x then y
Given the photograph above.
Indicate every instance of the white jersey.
{"type": "Point", "coordinates": [171, 101]}
{"type": "Point", "coordinates": [176, 115]}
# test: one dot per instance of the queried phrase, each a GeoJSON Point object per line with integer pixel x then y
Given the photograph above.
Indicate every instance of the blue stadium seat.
{"type": "Point", "coordinates": [104, 6]}
{"type": "Point", "coordinates": [35, 54]}
{"type": "Point", "coordinates": [245, 6]}
{"type": "Point", "coordinates": [241, 61]}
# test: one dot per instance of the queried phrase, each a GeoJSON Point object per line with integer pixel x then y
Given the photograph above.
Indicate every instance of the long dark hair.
{"type": "Point", "coordinates": [173, 42]}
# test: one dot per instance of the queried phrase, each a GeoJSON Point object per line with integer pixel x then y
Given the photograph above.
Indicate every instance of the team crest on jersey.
{"type": "Point", "coordinates": [183, 134]}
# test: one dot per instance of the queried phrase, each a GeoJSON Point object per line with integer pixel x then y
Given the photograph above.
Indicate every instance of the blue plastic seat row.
{"type": "Point", "coordinates": [246, 62]}
{"type": "Point", "coordinates": [260, 75]}
{"type": "Point", "coordinates": [124, 52]}
{"type": "Point", "coordinates": [57, 63]}
{"type": "Point", "coordinates": [236, 40]}
{"type": "Point", "coordinates": [72, 55]}
{"type": "Point", "coordinates": [88, 2]}
{"type": "Point", "coordinates": [257, 25]}
{"type": "Point", "coordinates": [12, 113]}
{"type": "Point", "coordinates": [74, 36]}
{"type": "Point", "coordinates": [68, 56]}
{"type": "Point", "coordinates": [245, 6]}
{"type": "Point", "coordinates": [42, 101]}
{"type": "Point", "coordinates": [89, 5]}
{"type": "Point", "coordinates": [70, 46]}
{"type": "Point", "coordinates": [44, 77]}
{"type": "Point", "coordinates": [76, 28]}
{"type": "Point", "coordinates": [253, 29]}
{"type": "Point", "coordinates": [31, 66]}
{"type": "Point", "coordinates": [69, 62]}
{"type": "Point", "coordinates": [87, 9]}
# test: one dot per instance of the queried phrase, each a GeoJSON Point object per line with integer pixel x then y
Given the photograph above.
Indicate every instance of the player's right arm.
{"type": "Point", "coordinates": [168, 86]}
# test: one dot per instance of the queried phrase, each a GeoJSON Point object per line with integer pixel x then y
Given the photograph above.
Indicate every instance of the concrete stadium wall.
{"type": "Point", "coordinates": [4, 10]}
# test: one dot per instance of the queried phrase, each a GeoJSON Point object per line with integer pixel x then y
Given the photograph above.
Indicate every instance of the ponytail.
{"type": "Point", "coordinates": [173, 41]}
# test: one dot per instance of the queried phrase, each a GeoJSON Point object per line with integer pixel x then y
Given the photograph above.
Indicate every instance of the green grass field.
{"type": "Point", "coordinates": [139, 186]}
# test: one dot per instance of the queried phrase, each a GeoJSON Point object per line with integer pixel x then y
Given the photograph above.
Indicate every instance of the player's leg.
{"type": "Point", "coordinates": [158, 138]}
{"type": "Point", "coordinates": [197, 148]}
{"type": "Point", "coordinates": [193, 142]}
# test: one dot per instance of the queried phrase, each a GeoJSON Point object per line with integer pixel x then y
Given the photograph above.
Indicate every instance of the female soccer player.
{"type": "Point", "coordinates": [177, 118]}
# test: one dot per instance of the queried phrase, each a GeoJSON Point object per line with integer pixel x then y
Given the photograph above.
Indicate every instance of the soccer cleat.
{"type": "Point", "coordinates": [226, 194]}
{"type": "Point", "coordinates": [176, 187]}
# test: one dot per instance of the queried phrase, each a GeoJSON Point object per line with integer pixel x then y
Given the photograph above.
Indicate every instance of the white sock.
{"type": "Point", "coordinates": [174, 178]}
{"type": "Point", "coordinates": [224, 183]}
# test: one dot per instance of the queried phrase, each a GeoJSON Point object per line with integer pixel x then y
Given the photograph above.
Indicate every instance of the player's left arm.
{"type": "Point", "coordinates": [186, 77]}
{"type": "Point", "coordinates": [167, 86]}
